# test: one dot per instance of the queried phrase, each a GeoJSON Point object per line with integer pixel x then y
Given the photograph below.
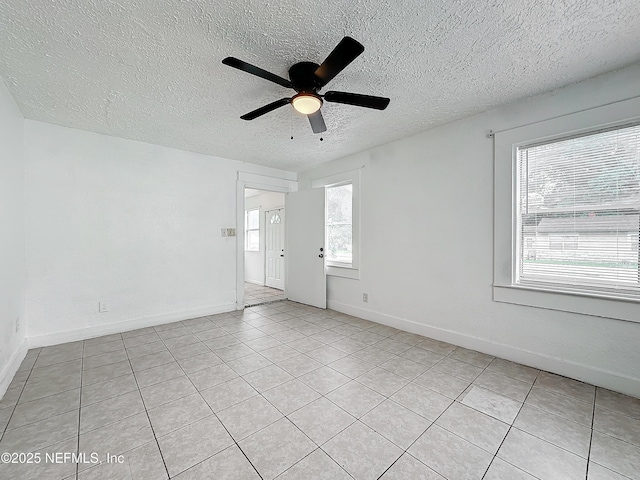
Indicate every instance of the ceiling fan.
{"type": "Point", "coordinates": [308, 78]}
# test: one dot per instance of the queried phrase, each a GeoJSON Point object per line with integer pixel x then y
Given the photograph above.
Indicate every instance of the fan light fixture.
{"type": "Point", "coordinates": [307, 78]}
{"type": "Point", "coordinates": [306, 103]}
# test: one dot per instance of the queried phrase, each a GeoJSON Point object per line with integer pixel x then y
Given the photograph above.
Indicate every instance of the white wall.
{"type": "Point", "coordinates": [128, 223]}
{"type": "Point", "coordinates": [12, 256]}
{"type": "Point", "coordinates": [427, 246]}
{"type": "Point", "coordinates": [254, 261]}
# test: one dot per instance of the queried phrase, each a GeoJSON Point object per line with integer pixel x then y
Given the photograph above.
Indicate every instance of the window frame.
{"type": "Point", "coordinates": [247, 229]}
{"type": "Point", "coordinates": [351, 177]}
{"type": "Point", "coordinates": [506, 143]}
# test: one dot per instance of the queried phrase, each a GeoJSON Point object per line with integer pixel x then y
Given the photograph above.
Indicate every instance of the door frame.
{"type": "Point", "coordinates": [259, 182]}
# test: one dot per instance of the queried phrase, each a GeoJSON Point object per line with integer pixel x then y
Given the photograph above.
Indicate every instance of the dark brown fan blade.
{"type": "Point", "coordinates": [317, 122]}
{"type": "Point", "coordinates": [367, 101]}
{"type": "Point", "coordinates": [257, 71]}
{"type": "Point", "coordinates": [341, 56]}
{"type": "Point", "coordinates": [266, 109]}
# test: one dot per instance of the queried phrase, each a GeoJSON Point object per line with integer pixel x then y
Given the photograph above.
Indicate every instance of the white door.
{"type": "Point", "coordinates": [304, 252]}
{"type": "Point", "coordinates": [274, 247]}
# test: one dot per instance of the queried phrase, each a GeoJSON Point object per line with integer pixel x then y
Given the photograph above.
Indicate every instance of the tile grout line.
{"type": "Point", "coordinates": [510, 427]}
{"type": "Point", "coordinates": [347, 354]}
{"type": "Point", "coordinates": [593, 416]}
{"type": "Point", "coordinates": [146, 411]}
{"type": "Point", "coordinates": [4, 431]}
{"type": "Point", "coordinates": [209, 406]}
{"type": "Point", "coordinates": [406, 451]}
{"type": "Point", "coordinates": [261, 395]}
{"type": "Point", "coordinates": [80, 409]}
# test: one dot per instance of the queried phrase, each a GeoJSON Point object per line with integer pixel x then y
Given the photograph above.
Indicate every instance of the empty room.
{"type": "Point", "coordinates": [319, 241]}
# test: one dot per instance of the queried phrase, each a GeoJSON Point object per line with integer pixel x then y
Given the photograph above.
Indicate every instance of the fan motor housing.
{"type": "Point", "coordinates": [302, 76]}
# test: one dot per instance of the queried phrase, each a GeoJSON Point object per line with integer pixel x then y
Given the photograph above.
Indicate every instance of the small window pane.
{"type": "Point", "coordinates": [253, 219]}
{"type": "Point", "coordinates": [253, 240]}
{"type": "Point", "coordinates": [339, 224]}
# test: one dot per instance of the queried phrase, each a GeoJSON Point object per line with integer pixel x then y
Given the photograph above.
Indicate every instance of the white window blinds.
{"type": "Point", "coordinates": [578, 212]}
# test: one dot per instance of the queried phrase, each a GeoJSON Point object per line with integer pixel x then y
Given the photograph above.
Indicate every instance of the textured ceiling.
{"type": "Point", "coordinates": [150, 70]}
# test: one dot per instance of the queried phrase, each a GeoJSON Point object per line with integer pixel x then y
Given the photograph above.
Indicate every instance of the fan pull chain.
{"type": "Point", "coordinates": [291, 125]}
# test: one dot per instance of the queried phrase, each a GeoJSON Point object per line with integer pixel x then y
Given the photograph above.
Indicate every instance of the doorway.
{"type": "Point", "coordinates": [264, 221]}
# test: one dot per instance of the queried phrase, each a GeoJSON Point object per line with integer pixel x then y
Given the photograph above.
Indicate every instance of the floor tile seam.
{"type": "Point", "coordinates": [364, 384]}
{"type": "Point", "coordinates": [622, 414]}
{"type": "Point", "coordinates": [495, 455]}
{"type": "Point", "coordinates": [96, 354]}
{"type": "Point", "coordinates": [636, 446]}
{"type": "Point", "coordinates": [105, 364]}
{"type": "Point", "coordinates": [568, 397]}
{"type": "Point", "coordinates": [56, 363]}
{"type": "Point", "coordinates": [467, 362]}
{"type": "Point", "coordinates": [80, 408]}
{"type": "Point", "coordinates": [573, 397]}
{"type": "Point", "coordinates": [309, 454]}
{"type": "Point", "coordinates": [57, 441]}
{"type": "Point", "coordinates": [212, 412]}
{"type": "Point", "coordinates": [406, 450]}
{"type": "Point", "coordinates": [15, 405]}
{"type": "Point", "coordinates": [530, 385]}
{"type": "Point", "coordinates": [410, 379]}
{"type": "Point", "coordinates": [501, 393]}
{"type": "Point", "coordinates": [160, 326]}
{"type": "Point", "coordinates": [546, 412]}
{"type": "Point", "coordinates": [511, 464]}
{"type": "Point", "coordinates": [520, 429]}
{"type": "Point", "coordinates": [153, 432]}
{"type": "Point", "coordinates": [57, 414]}
{"type": "Point", "coordinates": [609, 469]}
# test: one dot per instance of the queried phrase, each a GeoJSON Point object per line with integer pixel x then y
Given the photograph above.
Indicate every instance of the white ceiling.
{"type": "Point", "coordinates": [150, 70]}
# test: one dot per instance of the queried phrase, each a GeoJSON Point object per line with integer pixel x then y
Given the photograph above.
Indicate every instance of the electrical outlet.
{"type": "Point", "coordinates": [103, 307]}
{"type": "Point", "coordinates": [17, 324]}
{"type": "Point", "coordinates": [223, 232]}
{"type": "Point", "coordinates": [365, 297]}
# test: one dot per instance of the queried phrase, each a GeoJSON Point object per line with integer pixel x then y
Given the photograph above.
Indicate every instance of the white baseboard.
{"type": "Point", "coordinates": [9, 371]}
{"type": "Point", "coordinates": [585, 373]}
{"type": "Point", "coordinates": [254, 282]}
{"type": "Point", "coordinates": [124, 326]}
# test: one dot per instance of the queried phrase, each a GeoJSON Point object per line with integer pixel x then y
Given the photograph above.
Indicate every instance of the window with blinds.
{"type": "Point", "coordinates": [578, 213]}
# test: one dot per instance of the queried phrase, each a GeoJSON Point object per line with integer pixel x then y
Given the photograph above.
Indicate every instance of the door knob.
{"type": "Point", "coordinates": [321, 255]}
{"type": "Point", "coordinates": [282, 255]}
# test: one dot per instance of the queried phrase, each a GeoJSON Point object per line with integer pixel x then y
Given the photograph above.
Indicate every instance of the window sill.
{"type": "Point", "coordinates": [619, 308]}
{"type": "Point", "coordinates": [346, 272]}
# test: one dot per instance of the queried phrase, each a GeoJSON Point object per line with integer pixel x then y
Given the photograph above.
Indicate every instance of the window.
{"type": "Point", "coordinates": [342, 223]}
{"type": "Point", "coordinates": [585, 187]}
{"type": "Point", "coordinates": [567, 212]}
{"type": "Point", "coordinates": [339, 230]}
{"type": "Point", "coordinates": [252, 230]}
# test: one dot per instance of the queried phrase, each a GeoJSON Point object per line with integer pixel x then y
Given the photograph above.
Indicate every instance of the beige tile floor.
{"type": "Point", "coordinates": [291, 392]}
{"type": "Point", "coordinates": [258, 295]}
